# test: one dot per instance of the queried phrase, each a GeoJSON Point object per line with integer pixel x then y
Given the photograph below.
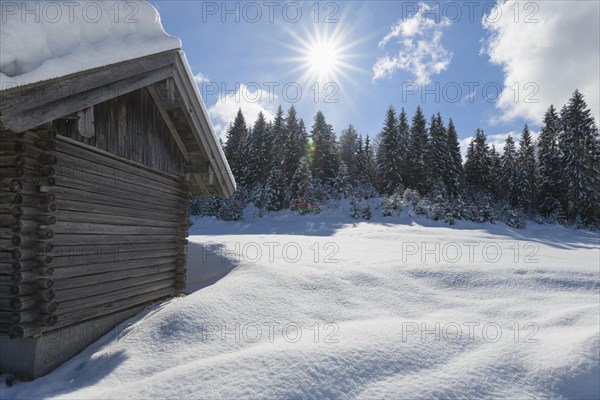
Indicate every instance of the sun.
{"type": "Point", "coordinates": [322, 55]}
{"type": "Point", "coordinates": [323, 58]}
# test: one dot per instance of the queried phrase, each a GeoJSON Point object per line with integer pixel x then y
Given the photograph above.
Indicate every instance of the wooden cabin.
{"type": "Point", "coordinates": [97, 169]}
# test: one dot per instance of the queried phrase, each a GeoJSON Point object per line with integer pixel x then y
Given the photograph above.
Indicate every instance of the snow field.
{"type": "Point", "coordinates": [365, 324]}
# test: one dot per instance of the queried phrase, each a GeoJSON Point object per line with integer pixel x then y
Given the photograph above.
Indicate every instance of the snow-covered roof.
{"type": "Point", "coordinates": [45, 40]}
{"type": "Point", "coordinates": [98, 50]}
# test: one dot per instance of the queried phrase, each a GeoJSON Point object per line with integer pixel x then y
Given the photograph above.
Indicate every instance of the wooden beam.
{"type": "Point", "coordinates": [47, 112]}
{"type": "Point", "coordinates": [21, 98]}
{"type": "Point", "coordinates": [165, 115]}
{"type": "Point", "coordinates": [197, 117]}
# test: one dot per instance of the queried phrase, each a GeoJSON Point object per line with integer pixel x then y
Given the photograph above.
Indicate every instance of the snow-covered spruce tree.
{"type": "Point", "coordinates": [370, 157]}
{"type": "Point", "coordinates": [509, 170]}
{"type": "Point", "coordinates": [297, 143]}
{"type": "Point", "coordinates": [417, 151]}
{"type": "Point", "coordinates": [279, 137]}
{"type": "Point", "coordinates": [348, 146]}
{"type": "Point", "coordinates": [392, 205]}
{"type": "Point", "coordinates": [354, 209]}
{"type": "Point", "coordinates": [455, 165]}
{"type": "Point", "coordinates": [259, 160]}
{"type": "Point", "coordinates": [477, 165]}
{"type": "Point", "coordinates": [205, 206]}
{"type": "Point", "coordinates": [580, 175]}
{"type": "Point", "coordinates": [404, 138]}
{"type": "Point", "coordinates": [495, 174]}
{"type": "Point", "coordinates": [389, 157]}
{"type": "Point", "coordinates": [525, 173]}
{"type": "Point", "coordinates": [234, 147]}
{"type": "Point", "coordinates": [477, 179]}
{"type": "Point", "coordinates": [411, 196]}
{"type": "Point", "coordinates": [274, 191]}
{"type": "Point", "coordinates": [343, 187]}
{"type": "Point", "coordinates": [549, 166]}
{"type": "Point", "coordinates": [438, 157]}
{"type": "Point", "coordinates": [361, 178]}
{"type": "Point", "coordinates": [324, 160]}
{"type": "Point", "coordinates": [366, 212]}
{"type": "Point", "coordinates": [302, 183]}
{"type": "Point", "coordinates": [232, 208]}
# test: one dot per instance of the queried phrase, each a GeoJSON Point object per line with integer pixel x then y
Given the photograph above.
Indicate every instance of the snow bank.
{"type": "Point", "coordinates": [44, 40]}
{"type": "Point", "coordinates": [345, 312]}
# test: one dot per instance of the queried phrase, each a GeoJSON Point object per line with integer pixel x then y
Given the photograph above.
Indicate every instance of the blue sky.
{"type": "Point", "coordinates": [439, 48]}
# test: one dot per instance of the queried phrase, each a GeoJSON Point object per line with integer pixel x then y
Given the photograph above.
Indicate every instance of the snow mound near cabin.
{"type": "Point", "coordinates": [333, 317]}
{"type": "Point", "coordinates": [44, 40]}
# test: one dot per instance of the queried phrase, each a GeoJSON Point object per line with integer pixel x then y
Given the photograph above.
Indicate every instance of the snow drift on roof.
{"type": "Point", "coordinates": [40, 41]}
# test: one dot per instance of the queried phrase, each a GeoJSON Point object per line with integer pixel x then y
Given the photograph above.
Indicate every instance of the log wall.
{"type": "Point", "coordinates": [85, 233]}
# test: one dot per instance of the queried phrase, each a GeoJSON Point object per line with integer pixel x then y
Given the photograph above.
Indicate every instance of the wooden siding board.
{"type": "Point", "coordinates": [132, 127]}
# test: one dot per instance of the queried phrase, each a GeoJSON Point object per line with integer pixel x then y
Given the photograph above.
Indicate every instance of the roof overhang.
{"type": "Point", "coordinates": [169, 80]}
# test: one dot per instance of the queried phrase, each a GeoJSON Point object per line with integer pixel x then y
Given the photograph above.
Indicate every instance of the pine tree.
{"type": "Point", "coordinates": [580, 176]}
{"type": "Point", "coordinates": [324, 162]}
{"type": "Point", "coordinates": [417, 165]}
{"type": "Point", "coordinates": [549, 165]}
{"type": "Point", "coordinates": [525, 172]}
{"type": "Point", "coordinates": [389, 158]}
{"type": "Point", "coordinates": [509, 171]}
{"type": "Point", "coordinates": [234, 148]}
{"type": "Point", "coordinates": [455, 165]}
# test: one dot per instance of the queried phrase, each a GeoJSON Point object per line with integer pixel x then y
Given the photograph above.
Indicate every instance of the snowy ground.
{"type": "Point", "coordinates": [358, 310]}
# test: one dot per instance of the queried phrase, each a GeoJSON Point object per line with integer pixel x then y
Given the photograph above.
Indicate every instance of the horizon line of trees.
{"type": "Point", "coordinates": [279, 163]}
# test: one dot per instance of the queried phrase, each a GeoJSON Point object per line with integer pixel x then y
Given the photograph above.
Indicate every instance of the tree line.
{"type": "Point", "coordinates": [282, 164]}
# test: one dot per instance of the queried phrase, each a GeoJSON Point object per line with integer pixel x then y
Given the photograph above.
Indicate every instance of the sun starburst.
{"type": "Point", "coordinates": [323, 55]}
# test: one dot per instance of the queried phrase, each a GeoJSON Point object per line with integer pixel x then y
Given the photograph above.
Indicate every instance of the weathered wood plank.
{"type": "Point", "coordinates": [66, 227]}
{"type": "Point", "coordinates": [117, 188]}
{"type": "Point", "coordinates": [112, 307]}
{"type": "Point", "coordinates": [66, 239]}
{"type": "Point", "coordinates": [65, 267]}
{"type": "Point", "coordinates": [164, 113]}
{"type": "Point", "coordinates": [72, 154]}
{"type": "Point", "coordinates": [133, 119]}
{"type": "Point", "coordinates": [66, 195]}
{"type": "Point", "coordinates": [98, 208]}
{"type": "Point", "coordinates": [45, 112]}
{"type": "Point", "coordinates": [22, 98]}
{"type": "Point", "coordinates": [102, 298]}
{"type": "Point", "coordinates": [119, 219]}
{"type": "Point", "coordinates": [102, 279]}
{"type": "Point", "coordinates": [73, 293]}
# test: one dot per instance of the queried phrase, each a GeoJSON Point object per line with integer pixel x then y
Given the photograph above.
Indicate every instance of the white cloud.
{"type": "Point", "coordinates": [558, 54]}
{"type": "Point", "coordinates": [250, 100]}
{"type": "Point", "coordinates": [421, 52]}
{"type": "Point", "coordinates": [200, 78]}
{"type": "Point", "coordinates": [497, 140]}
